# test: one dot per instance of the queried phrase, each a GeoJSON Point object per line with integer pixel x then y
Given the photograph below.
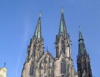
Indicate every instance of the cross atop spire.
{"type": "Point", "coordinates": [47, 47]}
{"type": "Point", "coordinates": [40, 13]}
{"type": "Point", "coordinates": [62, 9]}
{"type": "Point", "coordinates": [4, 64]}
{"type": "Point", "coordinates": [38, 33]}
{"type": "Point", "coordinates": [62, 29]}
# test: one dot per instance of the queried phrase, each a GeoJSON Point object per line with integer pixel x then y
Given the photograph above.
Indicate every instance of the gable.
{"type": "Point", "coordinates": [46, 57]}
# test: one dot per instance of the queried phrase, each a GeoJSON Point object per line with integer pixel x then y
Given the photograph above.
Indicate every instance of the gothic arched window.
{"type": "Point", "coordinates": [57, 52]}
{"type": "Point", "coordinates": [34, 50]}
{"type": "Point", "coordinates": [63, 46]}
{"type": "Point", "coordinates": [63, 66]}
{"type": "Point", "coordinates": [32, 68]}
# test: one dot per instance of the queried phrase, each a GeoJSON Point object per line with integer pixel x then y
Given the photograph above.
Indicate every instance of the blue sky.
{"type": "Point", "coordinates": [18, 19]}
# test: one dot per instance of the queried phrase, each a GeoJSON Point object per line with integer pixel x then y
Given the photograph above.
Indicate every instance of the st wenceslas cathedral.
{"type": "Point", "coordinates": [40, 64]}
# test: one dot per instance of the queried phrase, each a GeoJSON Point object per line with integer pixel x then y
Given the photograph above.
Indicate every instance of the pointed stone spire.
{"type": "Point", "coordinates": [47, 48]}
{"type": "Point", "coordinates": [38, 33]}
{"type": "Point", "coordinates": [62, 29]}
{"type": "Point", "coordinates": [80, 34]}
{"type": "Point", "coordinates": [82, 49]}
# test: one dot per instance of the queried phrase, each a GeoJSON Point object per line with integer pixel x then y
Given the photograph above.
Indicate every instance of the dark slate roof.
{"type": "Point", "coordinates": [82, 49]}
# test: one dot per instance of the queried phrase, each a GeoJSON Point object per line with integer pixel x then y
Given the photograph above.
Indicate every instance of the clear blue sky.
{"type": "Point", "coordinates": [18, 19]}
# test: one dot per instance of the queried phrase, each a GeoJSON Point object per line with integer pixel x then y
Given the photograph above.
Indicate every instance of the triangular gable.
{"type": "Point", "coordinates": [46, 53]}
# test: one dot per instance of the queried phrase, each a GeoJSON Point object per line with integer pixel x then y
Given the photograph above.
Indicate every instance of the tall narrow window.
{"type": "Point", "coordinates": [63, 46]}
{"type": "Point", "coordinates": [57, 52]}
{"type": "Point", "coordinates": [63, 67]}
{"type": "Point", "coordinates": [34, 50]}
{"type": "Point", "coordinates": [32, 68]}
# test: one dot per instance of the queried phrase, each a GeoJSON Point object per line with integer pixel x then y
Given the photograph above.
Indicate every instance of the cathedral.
{"type": "Point", "coordinates": [40, 64]}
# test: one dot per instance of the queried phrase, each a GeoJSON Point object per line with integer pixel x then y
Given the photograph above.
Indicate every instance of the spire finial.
{"type": "Point", "coordinates": [62, 9]}
{"type": "Point", "coordinates": [80, 34]}
{"type": "Point", "coordinates": [79, 27]}
{"type": "Point", "coordinates": [40, 13]}
{"type": "Point", "coordinates": [4, 64]}
{"type": "Point", "coordinates": [47, 47]}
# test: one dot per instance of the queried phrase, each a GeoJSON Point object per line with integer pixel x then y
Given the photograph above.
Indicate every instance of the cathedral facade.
{"type": "Point", "coordinates": [40, 64]}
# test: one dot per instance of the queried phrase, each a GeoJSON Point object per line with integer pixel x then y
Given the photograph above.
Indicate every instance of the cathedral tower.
{"type": "Point", "coordinates": [83, 60]}
{"type": "Point", "coordinates": [38, 63]}
{"type": "Point", "coordinates": [34, 52]}
{"type": "Point", "coordinates": [63, 61]}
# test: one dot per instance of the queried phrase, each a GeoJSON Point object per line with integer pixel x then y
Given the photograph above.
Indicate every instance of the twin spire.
{"type": "Point", "coordinates": [62, 28]}
{"type": "Point", "coordinates": [38, 33]}
{"type": "Point", "coordinates": [62, 31]}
